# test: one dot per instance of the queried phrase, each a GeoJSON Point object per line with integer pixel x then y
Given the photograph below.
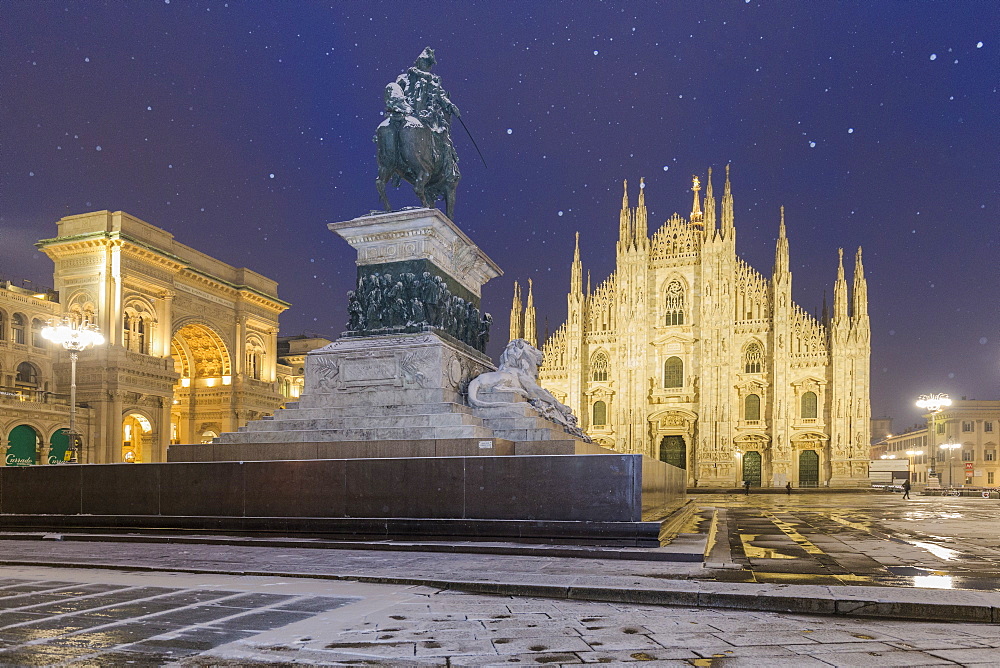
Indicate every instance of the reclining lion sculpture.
{"type": "Point", "coordinates": [517, 372]}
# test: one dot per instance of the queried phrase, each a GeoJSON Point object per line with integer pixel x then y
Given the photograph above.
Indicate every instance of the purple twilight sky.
{"type": "Point", "coordinates": [244, 127]}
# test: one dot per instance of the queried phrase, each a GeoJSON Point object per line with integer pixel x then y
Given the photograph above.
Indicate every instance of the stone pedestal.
{"type": "Point", "coordinates": [414, 341]}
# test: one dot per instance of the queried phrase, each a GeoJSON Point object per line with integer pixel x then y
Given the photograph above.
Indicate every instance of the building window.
{"type": "Point", "coordinates": [135, 332]}
{"type": "Point", "coordinates": [989, 478]}
{"type": "Point", "coordinates": [968, 455]}
{"type": "Point", "coordinates": [987, 426]}
{"type": "Point", "coordinates": [600, 368]}
{"type": "Point", "coordinates": [27, 373]}
{"type": "Point", "coordinates": [17, 325]}
{"type": "Point", "coordinates": [751, 408]}
{"type": "Point", "coordinates": [754, 359]}
{"type": "Point", "coordinates": [3, 326]}
{"type": "Point", "coordinates": [809, 408]}
{"type": "Point", "coordinates": [940, 428]}
{"type": "Point", "coordinates": [36, 333]}
{"type": "Point", "coordinates": [673, 372]}
{"type": "Point", "coordinates": [600, 413]}
{"type": "Point", "coordinates": [254, 359]}
{"type": "Point", "coordinates": [990, 455]}
{"type": "Point", "coordinates": [966, 425]}
{"type": "Point", "coordinates": [675, 304]}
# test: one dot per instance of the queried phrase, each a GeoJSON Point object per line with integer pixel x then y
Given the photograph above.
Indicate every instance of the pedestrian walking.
{"type": "Point", "coordinates": [788, 488]}
{"type": "Point", "coordinates": [746, 488]}
{"type": "Point", "coordinates": [906, 488]}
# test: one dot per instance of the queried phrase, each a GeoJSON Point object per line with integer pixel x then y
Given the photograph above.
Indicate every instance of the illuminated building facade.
{"type": "Point", "coordinates": [688, 354]}
{"type": "Point", "coordinates": [191, 344]}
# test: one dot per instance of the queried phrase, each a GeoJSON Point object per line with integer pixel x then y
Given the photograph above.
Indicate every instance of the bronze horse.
{"type": "Point", "coordinates": [410, 151]}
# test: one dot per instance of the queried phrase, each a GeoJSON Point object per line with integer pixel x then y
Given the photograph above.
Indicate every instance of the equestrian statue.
{"type": "Point", "coordinates": [414, 141]}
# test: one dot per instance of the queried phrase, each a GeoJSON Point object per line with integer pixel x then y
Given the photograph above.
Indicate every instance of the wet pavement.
{"type": "Point", "coordinates": [863, 560]}
{"type": "Point", "coordinates": [861, 539]}
{"type": "Point", "coordinates": [84, 617]}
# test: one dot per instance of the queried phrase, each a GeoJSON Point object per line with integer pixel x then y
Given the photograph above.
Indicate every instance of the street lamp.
{"type": "Point", "coordinates": [950, 447]}
{"type": "Point", "coordinates": [73, 336]}
{"type": "Point", "coordinates": [934, 403]}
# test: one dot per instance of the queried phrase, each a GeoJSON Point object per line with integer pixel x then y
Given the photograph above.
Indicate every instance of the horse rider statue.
{"type": "Point", "coordinates": [414, 142]}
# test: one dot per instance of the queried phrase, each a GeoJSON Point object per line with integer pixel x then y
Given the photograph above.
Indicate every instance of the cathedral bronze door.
{"type": "Point", "coordinates": [751, 467]}
{"type": "Point", "coordinates": [673, 451]}
{"type": "Point", "coordinates": [808, 468]}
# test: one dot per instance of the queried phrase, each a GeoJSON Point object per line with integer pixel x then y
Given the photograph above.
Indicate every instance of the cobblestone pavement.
{"type": "Point", "coordinates": [81, 617]}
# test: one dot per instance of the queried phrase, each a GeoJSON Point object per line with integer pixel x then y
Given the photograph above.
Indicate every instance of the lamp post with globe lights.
{"type": "Point", "coordinates": [73, 336]}
{"type": "Point", "coordinates": [934, 404]}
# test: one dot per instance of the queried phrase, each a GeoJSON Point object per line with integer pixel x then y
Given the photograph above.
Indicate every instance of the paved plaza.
{"type": "Point", "coordinates": [863, 560]}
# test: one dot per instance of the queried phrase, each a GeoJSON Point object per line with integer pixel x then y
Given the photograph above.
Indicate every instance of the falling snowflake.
{"type": "Point", "coordinates": [979, 45]}
{"type": "Point", "coordinates": [271, 176]}
{"type": "Point", "coordinates": [595, 52]}
{"type": "Point", "coordinates": [666, 167]}
{"type": "Point", "coordinates": [98, 148]}
{"type": "Point", "coordinates": [510, 131]}
{"type": "Point", "coordinates": [933, 56]}
{"type": "Point", "coordinates": [560, 213]}
{"type": "Point", "coordinates": [812, 144]}
{"type": "Point", "coordinates": [850, 131]}
{"type": "Point", "coordinates": [983, 340]}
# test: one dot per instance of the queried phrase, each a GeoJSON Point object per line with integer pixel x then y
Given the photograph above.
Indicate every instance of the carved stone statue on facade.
{"type": "Point", "coordinates": [517, 373]}
{"type": "Point", "coordinates": [414, 141]}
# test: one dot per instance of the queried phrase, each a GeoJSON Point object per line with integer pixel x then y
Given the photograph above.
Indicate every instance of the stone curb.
{"type": "Point", "coordinates": [528, 550]}
{"type": "Point", "coordinates": [874, 602]}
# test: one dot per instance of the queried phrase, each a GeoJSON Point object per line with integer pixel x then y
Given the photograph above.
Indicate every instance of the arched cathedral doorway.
{"type": "Point", "coordinates": [673, 451]}
{"type": "Point", "coordinates": [752, 468]}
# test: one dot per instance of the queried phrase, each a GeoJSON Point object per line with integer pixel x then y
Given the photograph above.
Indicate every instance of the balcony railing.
{"type": "Point", "coordinates": [23, 394]}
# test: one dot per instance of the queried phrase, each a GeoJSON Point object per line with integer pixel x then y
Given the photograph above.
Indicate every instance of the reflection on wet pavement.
{"type": "Point", "coordinates": [861, 539]}
{"type": "Point", "coordinates": [52, 623]}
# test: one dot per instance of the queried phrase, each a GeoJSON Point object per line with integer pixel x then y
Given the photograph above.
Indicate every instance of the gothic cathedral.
{"type": "Point", "coordinates": [688, 354]}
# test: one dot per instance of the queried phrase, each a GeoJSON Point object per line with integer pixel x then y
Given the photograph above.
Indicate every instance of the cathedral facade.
{"type": "Point", "coordinates": [688, 354]}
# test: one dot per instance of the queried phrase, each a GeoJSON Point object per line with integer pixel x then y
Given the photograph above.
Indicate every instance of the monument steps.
{"type": "Point", "coordinates": [372, 434]}
{"type": "Point", "coordinates": [365, 422]}
{"type": "Point", "coordinates": [375, 410]}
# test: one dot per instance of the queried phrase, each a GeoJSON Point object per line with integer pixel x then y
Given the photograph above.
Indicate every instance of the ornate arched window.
{"type": "Point", "coordinates": [673, 372]}
{"type": "Point", "coordinates": [753, 358]}
{"type": "Point", "coordinates": [3, 326]}
{"type": "Point", "coordinates": [600, 414]}
{"type": "Point", "coordinates": [600, 368]}
{"type": "Point", "coordinates": [254, 358]}
{"type": "Point", "coordinates": [36, 333]}
{"type": "Point", "coordinates": [17, 327]}
{"type": "Point", "coordinates": [27, 374]}
{"type": "Point", "coordinates": [136, 328]}
{"type": "Point", "coordinates": [675, 304]}
{"type": "Point", "coordinates": [809, 405]}
{"type": "Point", "coordinates": [751, 407]}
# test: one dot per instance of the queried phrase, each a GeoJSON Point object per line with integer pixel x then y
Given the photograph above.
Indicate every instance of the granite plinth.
{"type": "Point", "coordinates": [469, 495]}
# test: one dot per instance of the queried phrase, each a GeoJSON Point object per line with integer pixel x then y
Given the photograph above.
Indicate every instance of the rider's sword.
{"type": "Point", "coordinates": [473, 140]}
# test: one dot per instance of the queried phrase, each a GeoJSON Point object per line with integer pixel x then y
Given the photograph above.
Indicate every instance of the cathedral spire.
{"type": "Point", "coordinates": [781, 249]}
{"type": "Point", "coordinates": [697, 218]}
{"type": "Point", "coordinates": [588, 283]}
{"type": "Point", "coordinates": [727, 207]}
{"type": "Point", "coordinates": [840, 316]}
{"type": "Point", "coordinates": [860, 293]}
{"type": "Point", "coordinates": [516, 324]}
{"type": "Point", "coordinates": [576, 270]}
{"type": "Point", "coordinates": [625, 223]}
{"type": "Point", "coordinates": [530, 323]}
{"type": "Point", "coordinates": [641, 227]}
{"type": "Point", "coordinates": [709, 205]}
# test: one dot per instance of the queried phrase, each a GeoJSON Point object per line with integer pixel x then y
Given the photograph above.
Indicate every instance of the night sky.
{"type": "Point", "coordinates": [244, 127]}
